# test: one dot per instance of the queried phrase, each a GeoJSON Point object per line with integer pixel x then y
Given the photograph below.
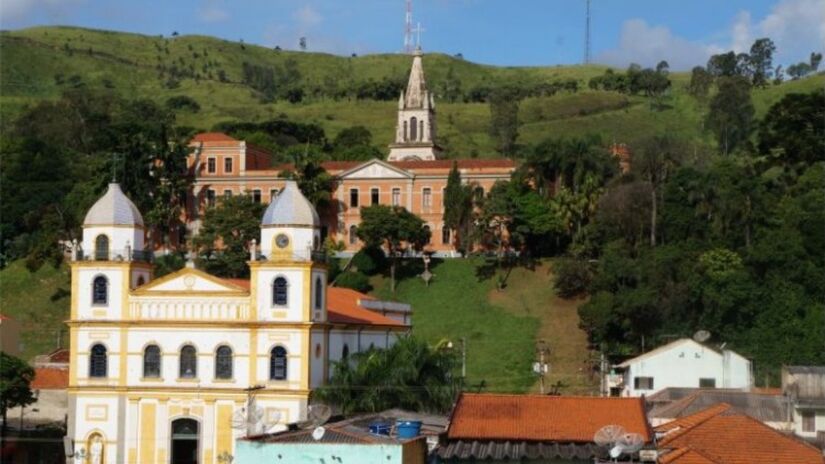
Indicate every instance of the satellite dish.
{"type": "Point", "coordinates": [318, 433]}
{"type": "Point", "coordinates": [701, 336]}
{"type": "Point", "coordinates": [319, 414]}
{"type": "Point", "coordinates": [630, 442]}
{"type": "Point", "coordinates": [239, 419]}
{"type": "Point", "coordinates": [608, 435]}
{"type": "Point", "coordinates": [616, 451]}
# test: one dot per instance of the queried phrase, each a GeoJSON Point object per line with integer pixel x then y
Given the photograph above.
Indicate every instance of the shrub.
{"type": "Point", "coordinates": [182, 102]}
{"type": "Point", "coordinates": [353, 280]}
{"type": "Point", "coordinates": [369, 260]}
{"type": "Point", "coordinates": [572, 277]}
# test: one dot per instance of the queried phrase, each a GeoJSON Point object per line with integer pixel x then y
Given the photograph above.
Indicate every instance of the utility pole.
{"type": "Point", "coordinates": [408, 29]}
{"type": "Point", "coordinates": [540, 367]}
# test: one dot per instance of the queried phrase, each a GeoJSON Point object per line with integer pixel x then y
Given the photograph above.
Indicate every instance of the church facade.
{"type": "Point", "coordinates": [175, 369]}
{"type": "Point", "coordinates": [414, 175]}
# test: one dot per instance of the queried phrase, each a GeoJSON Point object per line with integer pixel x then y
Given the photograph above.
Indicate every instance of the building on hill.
{"type": "Point", "coordinates": [681, 363]}
{"type": "Point", "coordinates": [722, 435]}
{"type": "Point", "coordinates": [413, 176]}
{"type": "Point", "coordinates": [517, 428]}
{"type": "Point", "coordinates": [163, 370]}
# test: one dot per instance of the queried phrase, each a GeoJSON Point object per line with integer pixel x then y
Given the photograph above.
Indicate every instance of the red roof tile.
{"type": "Point", "coordinates": [543, 418]}
{"type": "Point", "coordinates": [213, 137]}
{"type": "Point", "coordinates": [686, 456]}
{"type": "Point", "coordinates": [728, 437]}
{"type": "Point", "coordinates": [343, 307]}
{"type": "Point", "coordinates": [50, 378]}
{"type": "Point", "coordinates": [445, 165]}
{"type": "Point", "coordinates": [243, 283]}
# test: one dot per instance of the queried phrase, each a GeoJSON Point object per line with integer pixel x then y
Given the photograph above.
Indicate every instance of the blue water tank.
{"type": "Point", "coordinates": [408, 428]}
{"type": "Point", "coordinates": [380, 428]}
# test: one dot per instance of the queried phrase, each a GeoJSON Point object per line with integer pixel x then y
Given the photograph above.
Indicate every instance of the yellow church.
{"type": "Point", "coordinates": [163, 370]}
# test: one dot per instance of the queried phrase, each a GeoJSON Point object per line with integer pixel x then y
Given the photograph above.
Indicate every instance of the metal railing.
{"type": "Point", "coordinates": [316, 256]}
{"type": "Point", "coordinates": [145, 256]}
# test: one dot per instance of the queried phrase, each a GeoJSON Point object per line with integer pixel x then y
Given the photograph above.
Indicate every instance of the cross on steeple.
{"type": "Point", "coordinates": [114, 167]}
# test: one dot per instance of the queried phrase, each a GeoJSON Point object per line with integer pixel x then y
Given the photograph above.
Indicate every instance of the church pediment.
{"type": "Point", "coordinates": [189, 280]}
{"type": "Point", "coordinates": [375, 169]}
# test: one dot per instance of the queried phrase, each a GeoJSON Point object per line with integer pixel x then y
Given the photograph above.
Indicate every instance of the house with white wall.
{"type": "Point", "coordinates": [681, 363]}
{"type": "Point", "coordinates": [805, 387]}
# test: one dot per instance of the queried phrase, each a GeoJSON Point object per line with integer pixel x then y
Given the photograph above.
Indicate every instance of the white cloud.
{"type": "Point", "coordinates": [647, 45]}
{"type": "Point", "coordinates": [796, 27]}
{"type": "Point", "coordinates": [211, 12]}
{"type": "Point", "coordinates": [307, 17]}
{"type": "Point", "coordinates": [13, 11]}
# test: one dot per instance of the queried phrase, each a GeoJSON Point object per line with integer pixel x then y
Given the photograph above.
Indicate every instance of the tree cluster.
{"type": "Point", "coordinates": [650, 82]}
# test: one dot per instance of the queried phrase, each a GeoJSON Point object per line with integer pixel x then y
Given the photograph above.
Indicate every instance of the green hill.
{"type": "Point", "coordinates": [39, 63]}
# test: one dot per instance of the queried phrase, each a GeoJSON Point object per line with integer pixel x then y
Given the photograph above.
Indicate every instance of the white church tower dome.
{"type": "Point", "coordinates": [113, 208]}
{"type": "Point", "coordinates": [291, 227]}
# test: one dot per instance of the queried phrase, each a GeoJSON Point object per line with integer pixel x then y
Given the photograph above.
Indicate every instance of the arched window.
{"type": "Point", "coordinates": [345, 351]}
{"type": "Point", "coordinates": [445, 234]}
{"type": "Point", "coordinates": [319, 293]}
{"type": "Point", "coordinates": [188, 365]}
{"type": "Point", "coordinates": [429, 234]}
{"type": "Point", "coordinates": [151, 362]}
{"type": "Point", "coordinates": [421, 129]}
{"type": "Point", "coordinates": [141, 281]}
{"type": "Point", "coordinates": [353, 235]}
{"type": "Point", "coordinates": [102, 248]}
{"type": "Point", "coordinates": [96, 447]}
{"type": "Point", "coordinates": [223, 363]}
{"type": "Point", "coordinates": [405, 131]}
{"type": "Point", "coordinates": [100, 290]}
{"type": "Point", "coordinates": [97, 361]}
{"type": "Point", "coordinates": [277, 363]}
{"type": "Point", "coordinates": [279, 292]}
{"type": "Point", "coordinates": [413, 128]}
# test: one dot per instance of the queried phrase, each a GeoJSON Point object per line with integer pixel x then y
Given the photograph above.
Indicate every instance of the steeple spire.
{"type": "Point", "coordinates": [415, 131]}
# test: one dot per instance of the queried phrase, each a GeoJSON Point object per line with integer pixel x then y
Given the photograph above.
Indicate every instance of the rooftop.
{"type": "Point", "coordinates": [672, 403]}
{"type": "Point", "coordinates": [50, 378]}
{"type": "Point", "coordinates": [113, 208]}
{"type": "Point", "coordinates": [211, 137]}
{"type": "Point", "coordinates": [567, 419]}
{"type": "Point", "coordinates": [291, 209]}
{"type": "Point", "coordinates": [722, 435]}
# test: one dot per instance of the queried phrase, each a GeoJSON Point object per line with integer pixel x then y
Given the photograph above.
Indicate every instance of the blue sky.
{"type": "Point", "coordinates": [502, 32]}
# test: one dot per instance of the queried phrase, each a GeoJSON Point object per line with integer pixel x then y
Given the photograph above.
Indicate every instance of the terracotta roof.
{"type": "Point", "coordinates": [764, 407]}
{"type": "Point", "coordinates": [213, 137]}
{"type": "Point", "coordinates": [543, 418]}
{"type": "Point", "coordinates": [686, 456]}
{"type": "Point", "coordinates": [50, 378]}
{"type": "Point", "coordinates": [343, 308]}
{"type": "Point", "coordinates": [469, 163]}
{"type": "Point", "coordinates": [729, 437]}
{"type": "Point", "coordinates": [243, 283]}
{"type": "Point", "coordinates": [5, 318]}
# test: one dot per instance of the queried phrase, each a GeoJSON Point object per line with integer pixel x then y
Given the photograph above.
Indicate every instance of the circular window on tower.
{"type": "Point", "coordinates": [282, 241]}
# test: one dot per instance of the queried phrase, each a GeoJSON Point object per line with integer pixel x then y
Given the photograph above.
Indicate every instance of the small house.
{"type": "Point", "coordinates": [805, 387]}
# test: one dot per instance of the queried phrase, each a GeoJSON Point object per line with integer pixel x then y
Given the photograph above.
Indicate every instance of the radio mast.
{"type": "Point", "coordinates": [408, 29]}
{"type": "Point", "coordinates": [587, 35]}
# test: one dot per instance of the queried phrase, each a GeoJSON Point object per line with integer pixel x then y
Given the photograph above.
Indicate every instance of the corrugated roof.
{"type": "Point", "coordinates": [730, 437]}
{"type": "Point", "coordinates": [543, 418]}
{"type": "Point", "coordinates": [50, 378]}
{"type": "Point", "coordinates": [763, 407]}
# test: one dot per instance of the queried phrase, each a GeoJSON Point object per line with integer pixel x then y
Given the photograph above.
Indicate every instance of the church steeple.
{"type": "Point", "coordinates": [415, 132]}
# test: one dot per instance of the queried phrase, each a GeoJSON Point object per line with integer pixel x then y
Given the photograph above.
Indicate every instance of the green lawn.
{"type": "Point", "coordinates": [40, 302]}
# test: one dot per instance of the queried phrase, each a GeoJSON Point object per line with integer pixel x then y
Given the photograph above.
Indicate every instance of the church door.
{"type": "Point", "coordinates": [185, 441]}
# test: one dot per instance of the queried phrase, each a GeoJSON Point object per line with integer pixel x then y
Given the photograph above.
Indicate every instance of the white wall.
{"type": "Point", "coordinates": [113, 309]}
{"type": "Point", "coordinates": [118, 238]}
{"type": "Point", "coordinates": [683, 364]}
{"type": "Point", "coordinates": [293, 311]}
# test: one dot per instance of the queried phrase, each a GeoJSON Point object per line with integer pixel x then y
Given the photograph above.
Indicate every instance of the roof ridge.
{"type": "Point", "coordinates": [676, 433]}
{"type": "Point", "coordinates": [792, 438]}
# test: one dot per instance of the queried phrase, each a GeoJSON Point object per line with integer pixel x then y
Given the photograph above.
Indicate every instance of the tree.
{"type": "Point", "coordinates": [723, 64]}
{"type": "Point", "coordinates": [792, 133]}
{"type": "Point", "coordinates": [761, 61]}
{"type": "Point", "coordinates": [816, 58]}
{"type": "Point", "coordinates": [223, 240]}
{"type": "Point", "coordinates": [172, 181]}
{"type": "Point", "coordinates": [731, 113]}
{"type": "Point", "coordinates": [451, 87]}
{"type": "Point", "coordinates": [354, 144]}
{"type": "Point", "coordinates": [458, 206]}
{"type": "Point", "coordinates": [504, 123]}
{"type": "Point", "coordinates": [313, 180]}
{"type": "Point", "coordinates": [410, 375]}
{"type": "Point", "coordinates": [392, 227]}
{"type": "Point", "coordinates": [662, 67]}
{"type": "Point", "coordinates": [15, 390]}
{"type": "Point", "coordinates": [700, 82]}
{"type": "Point", "coordinates": [654, 162]}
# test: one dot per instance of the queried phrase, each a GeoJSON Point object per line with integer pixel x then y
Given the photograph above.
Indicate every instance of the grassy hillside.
{"type": "Point", "coordinates": [501, 328]}
{"type": "Point", "coordinates": [39, 63]}
{"type": "Point", "coordinates": [40, 302]}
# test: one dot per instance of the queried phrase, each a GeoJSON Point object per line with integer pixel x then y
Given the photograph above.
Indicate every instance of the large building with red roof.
{"type": "Point", "coordinates": [166, 369]}
{"type": "Point", "coordinates": [413, 176]}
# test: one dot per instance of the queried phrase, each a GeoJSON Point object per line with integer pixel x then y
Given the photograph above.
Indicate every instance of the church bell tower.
{"type": "Point", "coordinates": [415, 132]}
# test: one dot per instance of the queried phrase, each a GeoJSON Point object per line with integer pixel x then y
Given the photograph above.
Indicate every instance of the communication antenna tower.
{"type": "Point", "coordinates": [408, 29]}
{"type": "Point", "coordinates": [587, 35]}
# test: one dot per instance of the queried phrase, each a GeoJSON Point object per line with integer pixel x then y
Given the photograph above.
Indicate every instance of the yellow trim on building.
{"type": "Point", "coordinates": [223, 428]}
{"type": "Point", "coordinates": [148, 435]}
